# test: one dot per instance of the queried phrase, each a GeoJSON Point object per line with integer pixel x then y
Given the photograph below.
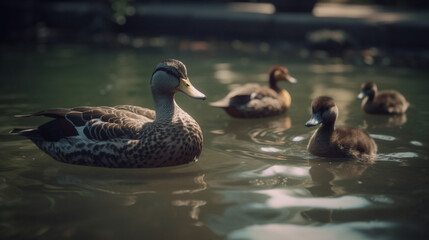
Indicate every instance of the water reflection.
{"type": "Point", "coordinates": [270, 132]}
{"type": "Point", "coordinates": [377, 121]}
{"type": "Point", "coordinates": [195, 206]}
{"type": "Point", "coordinates": [325, 173]}
{"type": "Point", "coordinates": [352, 230]}
{"type": "Point", "coordinates": [132, 187]}
{"type": "Point", "coordinates": [282, 198]}
{"type": "Point", "coordinates": [278, 205]}
{"type": "Point", "coordinates": [305, 195]}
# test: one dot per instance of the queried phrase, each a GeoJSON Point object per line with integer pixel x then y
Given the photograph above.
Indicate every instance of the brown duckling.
{"type": "Point", "coordinates": [328, 141]}
{"type": "Point", "coordinates": [253, 100]}
{"type": "Point", "coordinates": [383, 102]}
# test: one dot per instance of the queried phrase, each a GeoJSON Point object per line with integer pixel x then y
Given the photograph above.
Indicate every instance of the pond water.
{"type": "Point", "coordinates": [254, 179]}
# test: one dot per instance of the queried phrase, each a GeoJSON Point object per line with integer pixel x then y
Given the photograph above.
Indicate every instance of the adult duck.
{"type": "Point", "coordinates": [253, 100]}
{"type": "Point", "coordinates": [383, 102]}
{"type": "Point", "coordinates": [126, 136]}
{"type": "Point", "coordinates": [328, 141]}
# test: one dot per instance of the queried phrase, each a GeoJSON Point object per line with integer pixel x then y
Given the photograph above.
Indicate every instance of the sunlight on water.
{"type": "Point", "coordinates": [271, 149]}
{"type": "Point", "coordinates": [279, 198]}
{"type": "Point", "coordinates": [416, 143]}
{"type": "Point", "coordinates": [277, 170]}
{"type": "Point", "coordinates": [350, 231]}
{"type": "Point", "coordinates": [396, 157]}
{"type": "Point", "coordinates": [298, 139]}
{"type": "Point", "coordinates": [296, 198]}
{"type": "Point", "coordinates": [383, 137]}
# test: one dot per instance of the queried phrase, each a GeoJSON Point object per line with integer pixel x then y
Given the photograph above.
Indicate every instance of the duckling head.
{"type": "Point", "coordinates": [170, 76]}
{"type": "Point", "coordinates": [367, 89]}
{"type": "Point", "coordinates": [324, 110]}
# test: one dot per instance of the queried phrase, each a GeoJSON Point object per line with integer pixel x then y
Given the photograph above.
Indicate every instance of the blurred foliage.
{"type": "Point", "coordinates": [122, 9]}
{"type": "Point", "coordinates": [392, 3]}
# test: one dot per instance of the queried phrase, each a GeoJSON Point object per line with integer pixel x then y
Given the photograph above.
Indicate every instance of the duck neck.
{"type": "Point", "coordinates": [165, 107]}
{"type": "Point", "coordinates": [327, 128]}
{"type": "Point", "coordinates": [371, 96]}
{"type": "Point", "coordinates": [273, 83]}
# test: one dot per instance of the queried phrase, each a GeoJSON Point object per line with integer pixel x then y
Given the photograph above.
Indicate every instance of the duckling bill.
{"type": "Point", "coordinates": [328, 141]}
{"type": "Point", "coordinates": [383, 102]}
{"type": "Point", "coordinates": [125, 136]}
{"type": "Point", "coordinates": [255, 101]}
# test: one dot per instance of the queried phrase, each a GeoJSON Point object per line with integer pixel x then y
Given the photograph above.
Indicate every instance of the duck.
{"type": "Point", "coordinates": [255, 101]}
{"type": "Point", "coordinates": [331, 142]}
{"type": "Point", "coordinates": [125, 136]}
{"type": "Point", "coordinates": [383, 102]}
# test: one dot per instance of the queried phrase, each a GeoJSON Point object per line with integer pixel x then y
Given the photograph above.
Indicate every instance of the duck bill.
{"type": "Point", "coordinates": [361, 95]}
{"type": "Point", "coordinates": [291, 79]}
{"type": "Point", "coordinates": [315, 119]}
{"type": "Point", "coordinates": [186, 87]}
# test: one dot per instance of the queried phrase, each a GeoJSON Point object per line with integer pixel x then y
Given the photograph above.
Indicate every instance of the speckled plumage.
{"type": "Point", "coordinates": [328, 141]}
{"type": "Point", "coordinates": [253, 100]}
{"type": "Point", "coordinates": [124, 136]}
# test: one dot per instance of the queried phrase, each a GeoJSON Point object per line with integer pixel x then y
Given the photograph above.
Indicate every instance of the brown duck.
{"type": "Point", "coordinates": [126, 136]}
{"type": "Point", "coordinates": [253, 100]}
{"type": "Point", "coordinates": [383, 102]}
{"type": "Point", "coordinates": [328, 141]}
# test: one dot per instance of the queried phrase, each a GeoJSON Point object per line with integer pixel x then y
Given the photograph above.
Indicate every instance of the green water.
{"type": "Point", "coordinates": [254, 179]}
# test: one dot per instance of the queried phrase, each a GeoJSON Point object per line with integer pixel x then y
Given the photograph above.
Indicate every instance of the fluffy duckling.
{"type": "Point", "coordinates": [328, 141]}
{"type": "Point", "coordinates": [383, 102]}
{"type": "Point", "coordinates": [125, 136]}
{"type": "Point", "coordinates": [253, 100]}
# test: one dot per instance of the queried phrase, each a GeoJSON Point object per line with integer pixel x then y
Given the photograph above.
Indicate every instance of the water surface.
{"type": "Point", "coordinates": [254, 179]}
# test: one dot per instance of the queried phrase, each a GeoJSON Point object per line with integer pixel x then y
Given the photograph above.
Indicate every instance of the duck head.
{"type": "Point", "coordinates": [367, 89]}
{"type": "Point", "coordinates": [324, 110]}
{"type": "Point", "coordinates": [280, 73]}
{"type": "Point", "coordinates": [170, 76]}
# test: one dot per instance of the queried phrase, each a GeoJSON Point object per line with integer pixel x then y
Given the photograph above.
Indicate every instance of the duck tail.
{"type": "Point", "coordinates": [28, 133]}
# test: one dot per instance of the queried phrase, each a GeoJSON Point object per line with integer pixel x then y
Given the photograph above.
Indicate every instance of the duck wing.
{"type": "Point", "coordinates": [354, 141]}
{"type": "Point", "coordinates": [245, 94]}
{"type": "Point", "coordinates": [391, 101]}
{"type": "Point", "coordinates": [94, 123]}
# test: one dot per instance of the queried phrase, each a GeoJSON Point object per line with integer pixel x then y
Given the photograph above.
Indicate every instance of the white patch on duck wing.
{"type": "Point", "coordinates": [80, 129]}
{"type": "Point", "coordinates": [253, 95]}
{"type": "Point", "coordinates": [91, 124]}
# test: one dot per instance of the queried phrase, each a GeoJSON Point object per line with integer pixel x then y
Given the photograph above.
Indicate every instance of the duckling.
{"type": "Point", "coordinates": [125, 136]}
{"type": "Point", "coordinates": [254, 101]}
{"type": "Point", "coordinates": [383, 102]}
{"type": "Point", "coordinates": [328, 141]}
